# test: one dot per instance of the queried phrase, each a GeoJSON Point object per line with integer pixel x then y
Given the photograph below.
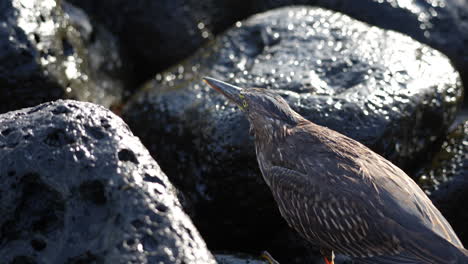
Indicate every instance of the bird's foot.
{"type": "Point", "coordinates": [328, 261]}
{"type": "Point", "coordinates": [328, 255]}
{"type": "Point", "coordinates": [269, 258]}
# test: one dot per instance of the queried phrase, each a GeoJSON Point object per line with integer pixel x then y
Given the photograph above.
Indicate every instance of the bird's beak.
{"type": "Point", "coordinates": [232, 92]}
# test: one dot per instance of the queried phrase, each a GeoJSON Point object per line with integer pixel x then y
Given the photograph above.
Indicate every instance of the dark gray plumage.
{"type": "Point", "coordinates": [339, 194]}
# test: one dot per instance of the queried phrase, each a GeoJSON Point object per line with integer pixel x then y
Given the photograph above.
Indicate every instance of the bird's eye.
{"type": "Point", "coordinates": [244, 102]}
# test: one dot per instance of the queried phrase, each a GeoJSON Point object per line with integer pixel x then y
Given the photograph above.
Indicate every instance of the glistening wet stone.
{"type": "Point", "coordinates": [70, 197]}
{"type": "Point", "coordinates": [44, 56]}
{"type": "Point", "coordinates": [441, 24]}
{"type": "Point", "coordinates": [176, 27]}
{"type": "Point", "coordinates": [445, 179]}
{"type": "Point", "coordinates": [158, 34]}
{"type": "Point", "coordinates": [379, 87]}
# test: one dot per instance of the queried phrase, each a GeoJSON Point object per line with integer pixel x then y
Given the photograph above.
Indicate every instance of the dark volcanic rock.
{"type": "Point", "coordinates": [445, 178]}
{"type": "Point", "coordinates": [78, 187]}
{"type": "Point", "coordinates": [172, 26]}
{"type": "Point", "coordinates": [107, 65]}
{"type": "Point", "coordinates": [441, 24]}
{"type": "Point", "coordinates": [157, 34]}
{"type": "Point", "coordinates": [233, 259]}
{"type": "Point", "coordinates": [384, 89]}
{"type": "Point", "coordinates": [43, 57]}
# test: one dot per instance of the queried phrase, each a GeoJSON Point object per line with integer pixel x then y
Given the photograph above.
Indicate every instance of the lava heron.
{"type": "Point", "coordinates": [337, 193]}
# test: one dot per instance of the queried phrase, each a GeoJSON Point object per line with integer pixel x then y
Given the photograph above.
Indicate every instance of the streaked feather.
{"type": "Point", "coordinates": [383, 215]}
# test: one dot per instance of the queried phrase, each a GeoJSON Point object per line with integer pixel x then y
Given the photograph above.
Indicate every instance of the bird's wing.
{"type": "Point", "coordinates": [429, 236]}
{"type": "Point", "coordinates": [390, 202]}
{"type": "Point", "coordinates": [353, 224]}
{"type": "Point", "coordinates": [356, 164]}
{"type": "Point", "coordinates": [403, 194]}
{"type": "Point", "coordinates": [337, 221]}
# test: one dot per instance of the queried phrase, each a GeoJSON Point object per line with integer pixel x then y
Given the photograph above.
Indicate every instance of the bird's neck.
{"type": "Point", "coordinates": [271, 128]}
{"type": "Point", "coordinates": [270, 131]}
{"type": "Point", "coordinates": [270, 136]}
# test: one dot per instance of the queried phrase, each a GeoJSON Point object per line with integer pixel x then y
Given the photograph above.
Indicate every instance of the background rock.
{"type": "Point", "coordinates": [376, 86]}
{"type": "Point", "coordinates": [107, 64]}
{"type": "Point", "coordinates": [43, 57]}
{"type": "Point", "coordinates": [441, 24]}
{"type": "Point", "coordinates": [158, 34]}
{"type": "Point", "coordinates": [78, 187]}
{"type": "Point", "coordinates": [177, 28]}
{"type": "Point", "coordinates": [232, 259]}
{"type": "Point", "coordinates": [445, 178]}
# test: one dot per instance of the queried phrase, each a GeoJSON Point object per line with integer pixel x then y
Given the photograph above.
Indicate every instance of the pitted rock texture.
{"type": "Point", "coordinates": [158, 34]}
{"type": "Point", "coordinates": [378, 87]}
{"type": "Point", "coordinates": [44, 57]}
{"type": "Point", "coordinates": [445, 179]}
{"type": "Point", "coordinates": [78, 187]}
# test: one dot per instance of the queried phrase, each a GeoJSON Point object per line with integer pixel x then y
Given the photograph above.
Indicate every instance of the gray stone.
{"type": "Point", "coordinates": [44, 57]}
{"type": "Point", "coordinates": [379, 87]}
{"type": "Point", "coordinates": [78, 187]}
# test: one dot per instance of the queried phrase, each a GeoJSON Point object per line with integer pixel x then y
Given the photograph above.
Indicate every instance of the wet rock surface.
{"type": "Point", "coordinates": [78, 187]}
{"type": "Point", "coordinates": [440, 24]}
{"type": "Point", "coordinates": [158, 34]}
{"type": "Point", "coordinates": [177, 28]}
{"type": "Point", "coordinates": [445, 179]}
{"type": "Point", "coordinates": [110, 69]}
{"type": "Point", "coordinates": [378, 87]}
{"type": "Point", "coordinates": [44, 57]}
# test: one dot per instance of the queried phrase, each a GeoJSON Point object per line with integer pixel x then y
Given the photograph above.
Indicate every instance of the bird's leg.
{"type": "Point", "coordinates": [328, 255]}
{"type": "Point", "coordinates": [328, 261]}
{"type": "Point", "coordinates": [269, 258]}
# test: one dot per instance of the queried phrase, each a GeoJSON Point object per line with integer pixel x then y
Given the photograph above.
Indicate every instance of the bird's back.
{"type": "Point", "coordinates": [343, 196]}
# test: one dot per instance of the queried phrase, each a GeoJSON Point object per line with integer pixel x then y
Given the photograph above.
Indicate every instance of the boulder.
{"type": "Point", "coordinates": [445, 179]}
{"type": "Point", "coordinates": [442, 24]}
{"type": "Point", "coordinates": [78, 187]}
{"type": "Point", "coordinates": [177, 28]}
{"type": "Point", "coordinates": [44, 56]}
{"type": "Point", "coordinates": [158, 34]}
{"type": "Point", "coordinates": [234, 259]}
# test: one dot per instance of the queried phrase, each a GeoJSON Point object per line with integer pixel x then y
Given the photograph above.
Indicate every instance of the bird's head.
{"type": "Point", "coordinates": [262, 107]}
